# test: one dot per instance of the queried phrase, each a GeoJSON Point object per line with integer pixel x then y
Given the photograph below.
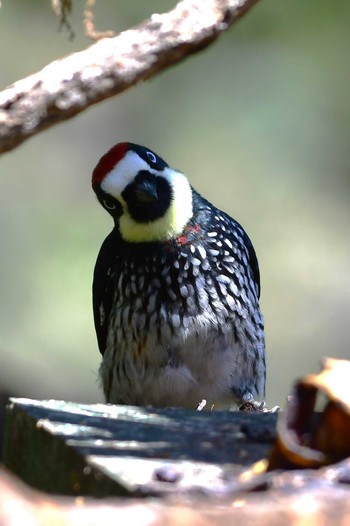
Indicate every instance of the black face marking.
{"type": "Point", "coordinates": [152, 159]}
{"type": "Point", "coordinates": [148, 197]}
{"type": "Point", "coordinates": [109, 205]}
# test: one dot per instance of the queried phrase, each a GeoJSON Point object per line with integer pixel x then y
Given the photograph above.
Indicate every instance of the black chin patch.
{"type": "Point", "coordinates": [142, 211]}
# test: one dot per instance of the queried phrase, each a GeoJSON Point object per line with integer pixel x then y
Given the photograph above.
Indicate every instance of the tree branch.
{"type": "Point", "coordinates": [67, 86]}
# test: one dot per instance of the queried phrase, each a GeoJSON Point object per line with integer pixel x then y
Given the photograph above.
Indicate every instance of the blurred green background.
{"type": "Point", "coordinates": [259, 122]}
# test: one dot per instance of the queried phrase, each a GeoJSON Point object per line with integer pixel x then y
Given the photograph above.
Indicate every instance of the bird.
{"type": "Point", "coordinates": [176, 290]}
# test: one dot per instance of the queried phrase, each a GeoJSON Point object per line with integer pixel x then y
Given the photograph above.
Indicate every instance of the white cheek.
{"type": "Point", "coordinates": [123, 174]}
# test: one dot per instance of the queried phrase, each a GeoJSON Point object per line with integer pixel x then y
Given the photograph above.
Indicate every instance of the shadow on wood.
{"type": "Point", "coordinates": [101, 450]}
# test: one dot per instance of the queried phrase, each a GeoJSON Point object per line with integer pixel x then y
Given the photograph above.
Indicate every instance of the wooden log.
{"type": "Point", "coordinates": [98, 450]}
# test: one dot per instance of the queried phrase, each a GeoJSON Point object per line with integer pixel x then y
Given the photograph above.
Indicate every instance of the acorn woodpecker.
{"type": "Point", "coordinates": [175, 291]}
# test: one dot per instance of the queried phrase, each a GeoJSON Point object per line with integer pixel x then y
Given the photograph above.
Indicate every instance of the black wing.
{"type": "Point", "coordinates": [103, 287]}
{"type": "Point", "coordinates": [253, 260]}
{"type": "Point", "coordinates": [248, 245]}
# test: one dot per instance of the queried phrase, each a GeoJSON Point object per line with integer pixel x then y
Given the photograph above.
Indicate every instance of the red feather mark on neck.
{"type": "Point", "coordinates": [185, 237]}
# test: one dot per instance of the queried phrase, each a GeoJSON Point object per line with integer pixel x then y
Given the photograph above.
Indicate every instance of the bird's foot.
{"type": "Point", "coordinates": [259, 407]}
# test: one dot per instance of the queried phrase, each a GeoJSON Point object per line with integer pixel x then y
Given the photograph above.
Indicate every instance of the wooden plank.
{"type": "Point", "coordinates": [298, 498]}
{"type": "Point", "coordinates": [99, 450]}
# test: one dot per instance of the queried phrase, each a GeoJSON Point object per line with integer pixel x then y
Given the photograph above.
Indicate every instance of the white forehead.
{"type": "Point", "coordinates": [123, 173]}
{"type": "Point", "coordinates": [126, 170]}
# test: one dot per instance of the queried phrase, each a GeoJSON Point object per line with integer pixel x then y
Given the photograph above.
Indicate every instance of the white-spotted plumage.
{"type": "Point", "coordinates": [176, 291]}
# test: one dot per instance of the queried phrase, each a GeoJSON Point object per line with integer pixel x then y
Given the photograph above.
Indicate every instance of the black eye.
{"type": "Point", "coordinates": [109, 205]}
{"type": "Point", "coordinates": [151, 157]}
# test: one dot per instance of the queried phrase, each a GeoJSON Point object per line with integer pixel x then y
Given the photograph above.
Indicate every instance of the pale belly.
{"type": "Point", "coordinates": [182, 366]}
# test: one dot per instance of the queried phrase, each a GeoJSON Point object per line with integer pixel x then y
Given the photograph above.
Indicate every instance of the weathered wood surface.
{"type": "Point", "coordinates": [100, 450]}
{"type": "Point", "coordinates": [191, 465]}
{"type": "Point", "coordinates": [312, 498]}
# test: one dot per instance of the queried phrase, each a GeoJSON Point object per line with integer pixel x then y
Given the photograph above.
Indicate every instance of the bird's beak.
{"type": "Point", "coordinates": [146, 192]}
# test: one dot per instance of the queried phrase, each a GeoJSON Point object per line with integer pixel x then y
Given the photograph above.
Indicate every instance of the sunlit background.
{"type": "Point", "coordinates": [260, 123]}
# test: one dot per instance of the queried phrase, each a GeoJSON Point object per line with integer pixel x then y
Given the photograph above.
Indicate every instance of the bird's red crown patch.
{"type": "Point", "coordinates": [108, 161]}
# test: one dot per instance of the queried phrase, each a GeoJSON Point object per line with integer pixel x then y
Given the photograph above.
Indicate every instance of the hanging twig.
{"type": "Point", "coordinates": [90, 29]}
